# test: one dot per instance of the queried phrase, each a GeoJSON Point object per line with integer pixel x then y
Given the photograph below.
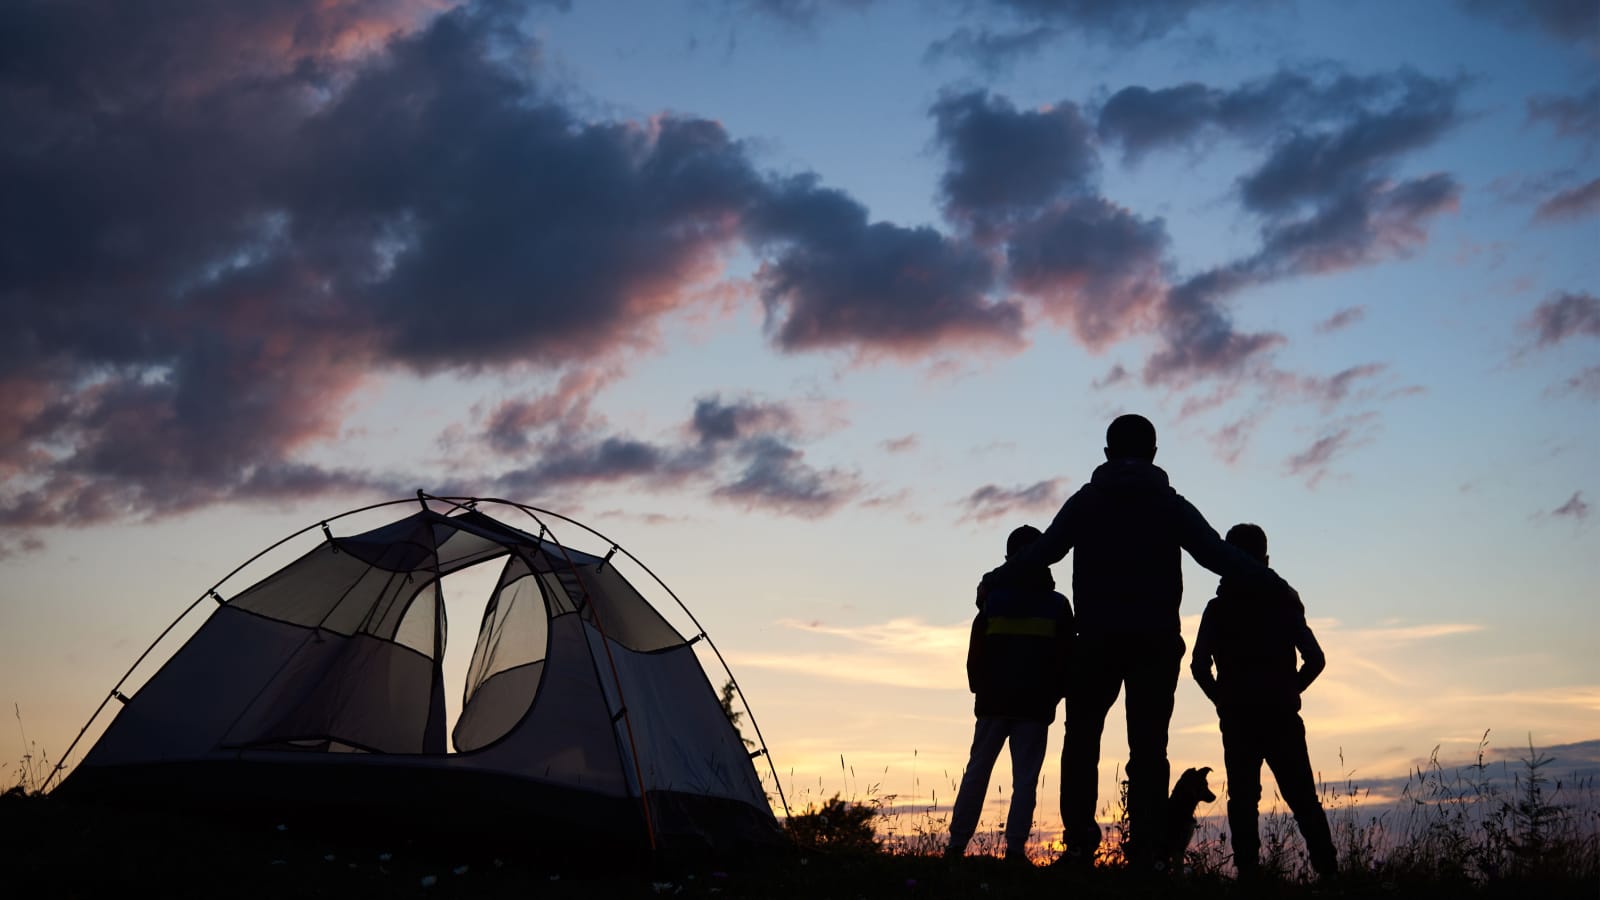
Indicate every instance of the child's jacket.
{"type": "Point", "coordinates": [1020, 648]}
{"type": "Point", "coordinates": [1252, 635]}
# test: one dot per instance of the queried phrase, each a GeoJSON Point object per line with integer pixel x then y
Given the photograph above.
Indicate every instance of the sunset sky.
{"type": "Point", "coordinates": [808, 303]}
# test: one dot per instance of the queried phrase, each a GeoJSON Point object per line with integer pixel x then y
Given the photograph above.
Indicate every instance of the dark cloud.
{"type": "Point", "coordinates": [1369, 223]}
{"type": "Point", "coordinates": [1574, 116]}
{"type": "Point", "coordinates": [715, 421]}
{"type": "Point", "coordinates": [1574, 21]}
{"type": "Point", "coordinates": [993, 52]}
{"type": "Point", "coordinates": [1095, 266]}
{"type": "Point", "coordinates": [1026, 179]}
{"type": "Point", "coordinates": [993, 501]}
{"type": "Point", "coordinates": [776, 477]}
{"type": "Point", "coordinates": [1323, 195]}
{"type": "Point", "coordinates": [743, 451]}
{"type": "Point", "coordinates": [1341, 320]}
{"type": "Point", "coordinates": [1314, 167]}
{"type": "Point", "coordinates": [1141, 120]}
{"type": "Point", "coordinates": [1576, 203]}
{"type": "Point", "coordinates": [1563, 316]}
{"type": "Point", "coordinates": [834, 280]}
{"type": "Point", "coordinates": [1574, 507]}
{"type": "Point", "coordinates": [221, 222]}
{"type": "Point", "coordinates": [1198, 337]}
{"type": "Point", "coordinates": [1005, 164]}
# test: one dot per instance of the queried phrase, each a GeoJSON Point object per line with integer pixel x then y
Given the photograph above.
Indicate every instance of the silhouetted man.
{"type": "Point", "coordinates": [1252, 635]}
{"type": "Point", "coordinates": [1127, 526]}
{"type": "Point", "coordinates": [1017, 667]}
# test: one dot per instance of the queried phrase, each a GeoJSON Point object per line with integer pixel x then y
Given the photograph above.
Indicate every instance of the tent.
{"type": "Point", "coordinates": [319, 691]}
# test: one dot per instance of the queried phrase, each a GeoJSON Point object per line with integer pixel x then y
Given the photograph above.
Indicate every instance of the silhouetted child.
{"type": "Point", "coordinates": [1251, 633]}
{"type": "Point", "coordinates": [1017, 666]}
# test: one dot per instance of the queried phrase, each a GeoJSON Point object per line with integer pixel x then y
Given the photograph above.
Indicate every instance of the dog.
{"type": "Point", "coordinates": [1190, 791]}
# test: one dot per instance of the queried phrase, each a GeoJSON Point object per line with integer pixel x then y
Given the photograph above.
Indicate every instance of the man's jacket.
{"type": "Point", "coordinates": [1128, 528]}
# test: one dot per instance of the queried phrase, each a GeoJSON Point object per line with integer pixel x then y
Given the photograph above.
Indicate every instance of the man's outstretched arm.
{"type": "Point", "coordinates": [1049, 549]}
{"type": "Point", "coordinates": [1208, 548]}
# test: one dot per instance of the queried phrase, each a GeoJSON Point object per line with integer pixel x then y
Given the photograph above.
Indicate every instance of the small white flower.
{"type": "Point", "coordinates": [429, 881]}
{"type": "Point", "coordinates": [328, 858]}
{"type": "Point", "coordinates": [283, 828]}
{"type": "Point", "coordinates": [385, 857]}
{"type": "Point", "coordinates": [459, 870]}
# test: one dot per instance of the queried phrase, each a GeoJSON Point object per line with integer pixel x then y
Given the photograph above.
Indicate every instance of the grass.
{"type": "Point", "coordinates": [1453, 832]}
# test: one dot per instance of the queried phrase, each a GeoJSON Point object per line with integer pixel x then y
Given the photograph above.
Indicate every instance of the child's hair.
{"type": "Point", "coordinates": [1252, 539]}
{"type": "Point", "coordinates": [1020, 539]}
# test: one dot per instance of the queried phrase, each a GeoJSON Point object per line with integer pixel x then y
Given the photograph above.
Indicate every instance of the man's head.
{"type": "Point", "coordinates": [1252, 539]}
{"type": "Point", "coordinates": [1131, 436]}
{"type": "Point", "coordinates": [1020, 539]}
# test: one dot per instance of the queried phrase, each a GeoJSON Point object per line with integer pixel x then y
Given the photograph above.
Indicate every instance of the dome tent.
{"type": "Point", "coordinates": [320, 690]}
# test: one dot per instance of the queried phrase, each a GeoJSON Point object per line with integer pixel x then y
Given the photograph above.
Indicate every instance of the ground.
{"type": "Point", "coordinates": [60, 850]}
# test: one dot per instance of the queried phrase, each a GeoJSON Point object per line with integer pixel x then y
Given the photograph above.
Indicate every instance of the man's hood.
{"type": "Point", "coordinates": [1129, 475]}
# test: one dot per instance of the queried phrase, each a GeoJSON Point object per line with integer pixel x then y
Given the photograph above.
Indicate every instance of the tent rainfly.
{"type": "Point", "coordinates": [320, 691]}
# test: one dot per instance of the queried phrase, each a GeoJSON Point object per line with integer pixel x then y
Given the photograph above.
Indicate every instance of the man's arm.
{"type": "Point", "coordinates": [1049, 549]}
{"type": "Point", "coordinates": [1200, 662]}
{"type": "Point", "coordinates": [1208, 548]}
{"type": "Point", "coordinates": [1311, 652]}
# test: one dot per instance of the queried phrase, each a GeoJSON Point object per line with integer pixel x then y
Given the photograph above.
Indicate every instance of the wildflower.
{"type": "Point", "coordinates": [283, 828]}
{"type": "Point", "coordinates": [385, 857]}
{"type": "Point", "coordinates": [328, 857]}
{"type": "Point", "coordinates": [911, 882]}
{"type": "Point", "coordinates": [459, 870]}
{"type": "Point", "coordinates": [429, 881]}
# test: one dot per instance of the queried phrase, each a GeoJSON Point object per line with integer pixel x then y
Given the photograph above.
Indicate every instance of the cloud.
{"type": "Point", "coordinates": [1005, 165]}
{"type": "Point", "coordinates": [834, 280]}
{"type": "Point", "coordinates": [1309, 166]}
{"type": "Point", "coordinates": [212, 252]}
{"type": "Point", "coordinates": [993, 501]}
{"type": "Point", "coordinates": [1585, 383]}
{"type": "Point", "coordinates": [1565, 316]}
{"type": "Point", "coordinates": [1315, 461]}
{"type": "Point", "coordinates": [776, 477]}
{"type": "Point", "coordinates": [221, 223]}
{"type": "Point", "coordinates": [1572, 116]}
{"type": "Point", "coordinates": [1576, 203]}
{"type": "Point", "coordinates": [993, 52]}
{"type": "Point", "coordinates": [1573, 21]}
{"type": "Point", "coordinates": [1199, 340]}
{"type": "Point", "coordinates": [1341, 320]}
{"type": "Point", "coordinates": [567, 408]}
{"type": "Point", "coordinates": [1322, 195]}
{"type": "Point", "coordinates": [1574, 508]}
{"type": "Point", "coordinates": [716, 421]}
{"type": "Point", "coordinates": [742, 451]}
{"type": "Point", "coordinates": [902, 444]}
{"type": "Point", "coordinates": [1095, 267]}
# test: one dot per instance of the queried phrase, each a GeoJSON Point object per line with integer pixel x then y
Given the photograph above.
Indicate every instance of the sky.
{"type": "Point", "coordinates": [808, 303]}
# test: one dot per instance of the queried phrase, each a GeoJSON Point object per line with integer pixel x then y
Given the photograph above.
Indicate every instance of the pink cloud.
{"type": "Point", "coordinates": [1577, 203]}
